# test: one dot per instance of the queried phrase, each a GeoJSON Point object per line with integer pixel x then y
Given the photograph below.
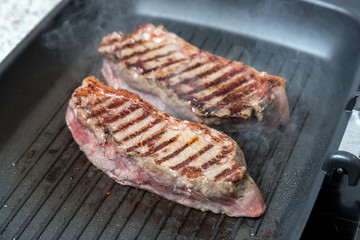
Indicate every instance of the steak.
{"type": "Point", "coordinates": [191, 83]}
{"type": "Point", "coordinates": [138, 145]}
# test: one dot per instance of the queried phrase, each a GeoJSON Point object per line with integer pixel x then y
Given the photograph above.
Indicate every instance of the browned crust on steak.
{"type": "Point", "coordinates": [211, 86]}
{"type": "Point", "coordinates": [99, 119]}
{"type": "Point", "coordinates": [189, 155]}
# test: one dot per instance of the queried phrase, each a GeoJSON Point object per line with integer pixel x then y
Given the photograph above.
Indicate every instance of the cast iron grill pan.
{"type": "Point", "coordinates": [49, 189]}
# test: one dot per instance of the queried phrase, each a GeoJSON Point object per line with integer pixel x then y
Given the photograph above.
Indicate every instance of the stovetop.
{"type": "Point", "coordinates": [336, 214]}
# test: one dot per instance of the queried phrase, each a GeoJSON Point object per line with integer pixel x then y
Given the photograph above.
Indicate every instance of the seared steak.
{"type": "Point", "coordinates": [194, 84]}
{"type": "Point", "coordinates": [137, 145]}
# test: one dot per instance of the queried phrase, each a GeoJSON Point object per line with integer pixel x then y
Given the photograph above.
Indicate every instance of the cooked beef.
{"type": "Point", "coordinates": [194, 84]}
{"type": "Point", "coordinates": [138, 145]}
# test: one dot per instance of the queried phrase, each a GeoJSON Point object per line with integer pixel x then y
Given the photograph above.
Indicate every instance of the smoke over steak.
{"type": "Point", "coordinates": [193, 84]}
{"type": "Point", "coordinates": [138, 145]}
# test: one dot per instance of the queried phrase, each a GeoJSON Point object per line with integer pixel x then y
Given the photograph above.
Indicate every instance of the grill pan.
{"type": "Point", "coordinates": [48, 188]}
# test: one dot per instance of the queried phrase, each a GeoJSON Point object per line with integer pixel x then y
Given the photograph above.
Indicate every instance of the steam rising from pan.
{"type": "Point", "coordinates": [74, 34]}
{"type": "Point", "coordinates": [77, 34]}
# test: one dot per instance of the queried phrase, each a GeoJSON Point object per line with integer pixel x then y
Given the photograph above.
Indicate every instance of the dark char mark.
{"type": "Point", "coordinates": [143, 52]}
{"type": "Point", "coordinates": [160, 146]}
{"type": "Point", "coordinates": [198, 76]}
{"type": "Point", "coordinates": [122, 114]}
{"type": "Point", "coordinates": [99, 101]}
{"type": "Point", "coordinates": [237, 95]}
{"type": "Point", "coordinates": [199, 64]}
{"type": "Point", "coordinates": [139, 64]}
{"type": "Point", "coordinates": [228, 88]}
{"type": "Point", "coordinates": [216, 159]}
{"type": "Point", "coordinates": [142, 130]}
{"type": "Point", "coordinates": [131, 44]}
{"type": "Point", "coordinates": [168, 157]}
{"type": "Point", "coordinates": [235, 100]}
{"type": "Point", "coordinates": [221, 79]}
{"type": "Point", "coordinates": [171, 62]}
{"type": "Point", "coordinates": [192, 157]}
{"type": "Point", "coordinates": [132, 122]}
{"type": "Point", "coordinates": [117, 103]}
{"type": "Point", "coordinates": [148, 140]}
{"type": "Point", "coordinates": [228, 171]}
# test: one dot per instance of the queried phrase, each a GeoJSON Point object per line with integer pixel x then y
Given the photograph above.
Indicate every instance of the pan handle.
{"type": "Point", "coordinates": [343, 162]}
{"type": "Point", "coordinates": [346, 159]}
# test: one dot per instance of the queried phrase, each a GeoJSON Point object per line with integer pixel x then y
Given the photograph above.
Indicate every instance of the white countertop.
{"type": "Point", "coordinates": [18, 18]}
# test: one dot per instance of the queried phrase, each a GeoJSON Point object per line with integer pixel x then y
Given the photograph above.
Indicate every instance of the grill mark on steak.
{"type": "Point", "coordinates": [228, 171]}
{"type": "Point", "coordinates": [100, 101]}
{"type": "Point", "coordinates": [237, 107]}
{"type": "Point", "coordinates": [132, 122]}
{"type": "Point", "coordinates": [122, 114]}
{"type": "Point", "coordinates": [148, 141]}
{"type": "Point", "coordinates": [214, 69]}
{"type": "Point", "coordinates": [171, 62]}
{"type": "Point", "coordinates": [95, 113]}
{"type": "Point", "coordinates": [129, 45]}
{"type": "Point", "coordinates": [236, 177]}
{"type": "Point", "coordinates": [192, 157]}
{"type": "Point", "coordinates": [188, 69]}
{"type": "Point", "coordinates": [181, 146]}
{"type": "Point", "coordinates": [221, 79]}
{"type": "Point", "coordinates": [118, 39]}
{"type": "Point", "coordinates": [184, 87]}
{"type": "Point", "coordinates": [139, 64]}
{"type": "Point", "coordinates": [114, 104]}
{"type": "Point", "coordinates": [239, 95]}
{"type": "Point", "coordinates": [216, 159]}
{"type": "Point", "coordinates": [226, 89]}
{"type": "Point", "coordinates": [143, 52]}
{"type": "Point", "coordinates": [179, 150]}
{"type": "Point", "coordinates": [142, 130]}
{"type": "Point", "coordinates": [160, 146]}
